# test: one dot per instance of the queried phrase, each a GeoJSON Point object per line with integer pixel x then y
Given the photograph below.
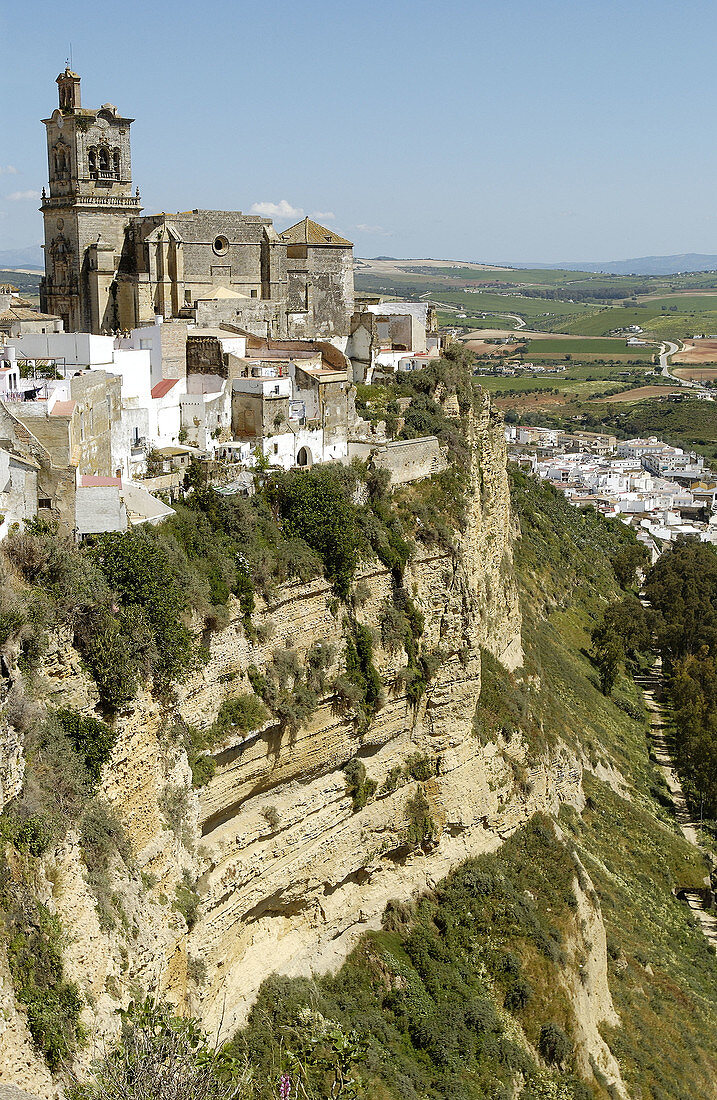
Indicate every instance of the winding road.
{"type": "Point", "coordinates": [666, 350]}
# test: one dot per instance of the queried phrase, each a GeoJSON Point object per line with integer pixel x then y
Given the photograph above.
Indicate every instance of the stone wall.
{"type": "Point", "coordinates": [405, 459]}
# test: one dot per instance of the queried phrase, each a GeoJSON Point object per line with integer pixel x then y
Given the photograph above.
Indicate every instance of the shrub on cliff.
{"type": "Point", "coordinates": [554, 1045]}
{"type": "Point", "coordinates": [91, 738]}
{"type": "Point", "coordinates": [162, 1056]}
{"type": "Point", "coordinates": [34, 953]}
{"type": "Point", "coordinates": [358, 785]}
{"type": "Point", "coordinates": [362, 672]}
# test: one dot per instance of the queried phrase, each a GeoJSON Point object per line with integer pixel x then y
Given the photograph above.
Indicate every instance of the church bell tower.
{"type": "Point", "coordinates": [86, 211]}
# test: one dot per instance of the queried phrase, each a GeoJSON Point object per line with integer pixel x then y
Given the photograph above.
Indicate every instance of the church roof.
{"type": "Point", "coordinates": [309, 232]}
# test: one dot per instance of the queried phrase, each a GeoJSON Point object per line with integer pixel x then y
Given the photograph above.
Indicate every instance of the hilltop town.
{"type": "Point", "coordinates": [203, 336]}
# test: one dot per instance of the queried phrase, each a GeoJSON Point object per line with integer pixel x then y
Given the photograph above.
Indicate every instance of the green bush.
{"type": "Point", "coordinates": [358, 785]}
{"type": "Point", "coordinates": [421, 828]}
{"type": "Point", "coordinates": [92, 739]}
{"type": "Point", "coordinates": [187, 900]}
{"type": "Point", "coordinates": [361, 670]}
{"type": "Point", "coordinates": [240, 714]}
{"type": "Point", "coordinates": [163, 1056]}
{"type": "Point", "coordinates": [518, 995]}
{"type": "Point", "coordinates": [316, 505]}
{"type": "Point", "coordinates": [103, 842]}
{"type": "Point", "coordinates": [419, 766]}
{"type": "Point", "coordinates": [554, 1045]}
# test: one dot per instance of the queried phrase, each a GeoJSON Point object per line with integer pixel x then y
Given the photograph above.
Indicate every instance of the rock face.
{"type": "Point", "coordinates": [287, 872]}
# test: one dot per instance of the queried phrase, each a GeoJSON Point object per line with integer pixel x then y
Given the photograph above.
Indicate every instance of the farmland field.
{"type": "Point", "coordinates": [643, 393]}
{"type": "Point", "coordinates": [700, 374]}
{"type": "Point", "coordinates": [561, 348]}
{"type": "Point", "coordinates": [573, 302]}
{"type": "Point", "coordinates": [697, 351]}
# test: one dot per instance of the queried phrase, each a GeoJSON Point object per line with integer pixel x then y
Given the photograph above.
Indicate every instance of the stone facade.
{"type": "Point", "coordinates": [108, 268]}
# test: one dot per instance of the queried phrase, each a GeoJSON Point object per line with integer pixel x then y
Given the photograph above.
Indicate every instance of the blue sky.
{"type": "Point", "coordinates": [487, 130]}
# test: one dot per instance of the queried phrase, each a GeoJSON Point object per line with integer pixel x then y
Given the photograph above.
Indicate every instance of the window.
{"type": "Point", "coordinates": [116, 162]}
{"type": "Point", "coordinates": [220, 245]}
{"type": "Point", "coordinates": [296, 251]}
{"type": "Point", "coordinates": [82, 425]}
{"type": "Point", "coordinates": [276, 448]}
{"type": "Point", "coordinates": [103, 161]}
{"type": "Point", "coordinates": [44, 502]}
{"type": "Point", "coordinates": [92, 162]}
{"type": "Point", "coordinates": [135, 436]}
{"type": "Point", "coordinates": [255, 293]}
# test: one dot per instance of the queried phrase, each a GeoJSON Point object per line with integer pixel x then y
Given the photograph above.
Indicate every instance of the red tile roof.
{"type": "Point", "coordinates": [162, 388]}
{"type": "Point", "coordinates": [88, 480]}
{"type": "Point", "coordinates": [63, 408]}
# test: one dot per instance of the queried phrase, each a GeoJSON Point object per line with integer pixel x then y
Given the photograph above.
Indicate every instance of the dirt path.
{"type": "Point", "coordinates": [649, 685]}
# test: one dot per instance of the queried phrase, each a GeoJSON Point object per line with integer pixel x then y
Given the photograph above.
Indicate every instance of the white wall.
{"type": "Point", "coordinates": [135, 369]}
{"type": "Point", "coordinates": [147, 339]}
{"type": "Point", "coordinates": [78, 349]}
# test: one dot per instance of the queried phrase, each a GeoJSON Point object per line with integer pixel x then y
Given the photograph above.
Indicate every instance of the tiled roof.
{"type": "Point", "coordinates": [23, 313]}
{"type": "Point", "coordinates": [308, 232]}
{"type": "Point", "coordinates": [63, 408]}
{"type": "Point", "coordinates": [88, 480]}
{"type": "Point", "coordinates": [162, 388]}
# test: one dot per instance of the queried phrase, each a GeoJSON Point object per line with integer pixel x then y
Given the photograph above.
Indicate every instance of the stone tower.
{"type": "Point", "coordinates": [88, 208]}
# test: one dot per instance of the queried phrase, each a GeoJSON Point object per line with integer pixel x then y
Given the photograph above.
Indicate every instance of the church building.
{"type": "Point", "coordinates": [107, 267]}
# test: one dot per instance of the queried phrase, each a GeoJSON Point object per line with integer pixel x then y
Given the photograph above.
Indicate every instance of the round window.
{"type": "Point", "coordinates": [221, 246]}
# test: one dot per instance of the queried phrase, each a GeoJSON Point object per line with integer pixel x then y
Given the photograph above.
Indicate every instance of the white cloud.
{"type": "Point", "coordinates": [324, 216]}
{"type": "Point", "coordinates": [281, 209]}
{"type": "Point", "coordinates": [22, 196]}
{"type": "Point", "coordinates": [378, 230]}
{"type": "Point", "coordinates": [8, 170]}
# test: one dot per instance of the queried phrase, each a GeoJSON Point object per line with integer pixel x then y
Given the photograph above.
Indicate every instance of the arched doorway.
{"type": "Point", "coordinates": [304, 458]}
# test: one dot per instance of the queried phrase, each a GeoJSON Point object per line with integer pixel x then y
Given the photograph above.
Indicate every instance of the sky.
{"type": "Point", "coordinates": [489, 130]}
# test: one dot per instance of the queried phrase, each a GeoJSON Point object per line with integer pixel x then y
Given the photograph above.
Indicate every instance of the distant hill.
{"type": "Point", "coordinates": [33, 257]}
{"type": "Point", "coordinates": [23, 257]}
{"type": "Point", "coordinates": [645, 265]}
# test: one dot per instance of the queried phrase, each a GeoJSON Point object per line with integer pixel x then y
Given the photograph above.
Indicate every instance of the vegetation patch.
{"type": "Point", "coordinates": [34, 949]}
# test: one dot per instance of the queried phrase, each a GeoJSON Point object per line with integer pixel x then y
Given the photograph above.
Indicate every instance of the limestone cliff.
{"type": "Point", "coordinates": [288, 873]}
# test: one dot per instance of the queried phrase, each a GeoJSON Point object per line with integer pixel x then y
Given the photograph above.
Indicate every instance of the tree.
{"type": "Point", "coordinates": [628, 561]}
{"type": "Point", "coordinates": [682, 589]}
{"type": "Point", "coordinates": [630, 622]}
{"type": "Point", "coordinates": [315, 505]}
{"type": "Point", "coordinates": [608, 655]}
